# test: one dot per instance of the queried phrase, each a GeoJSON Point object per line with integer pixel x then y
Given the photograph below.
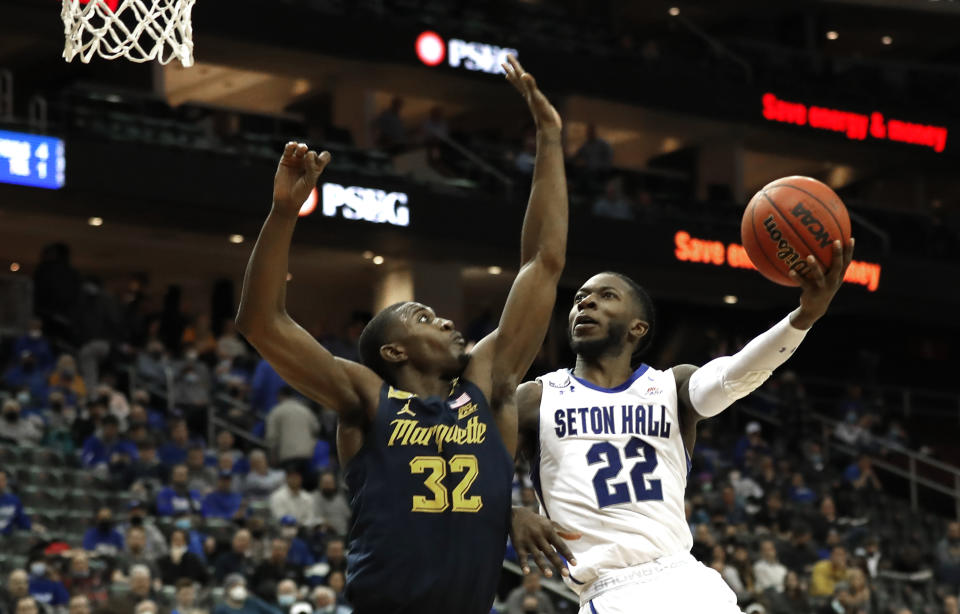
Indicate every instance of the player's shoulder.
{"type": "Point", "coordinates": [529, 394]}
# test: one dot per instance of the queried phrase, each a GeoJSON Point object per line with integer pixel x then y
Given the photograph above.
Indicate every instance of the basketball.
{"type": "Point", "coordinates": [789, 219]}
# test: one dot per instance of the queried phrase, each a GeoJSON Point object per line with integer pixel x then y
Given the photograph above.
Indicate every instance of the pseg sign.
{"type": "Point", "coordinates": [358, 203]}
{"type": "Point", "coordinates": [476, 57]}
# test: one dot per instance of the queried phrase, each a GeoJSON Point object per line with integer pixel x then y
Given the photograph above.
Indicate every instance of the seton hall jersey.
{"type": "Point", "coordinates": [612, 466]}
{"type": "Point", "coordinates": [430, 494]}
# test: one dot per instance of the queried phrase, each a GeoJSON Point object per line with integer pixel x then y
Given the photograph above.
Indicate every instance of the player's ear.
{"type": "Point", "coordinates": [639, 328]}
{"type": "Point", "coordinates": [393, 352]}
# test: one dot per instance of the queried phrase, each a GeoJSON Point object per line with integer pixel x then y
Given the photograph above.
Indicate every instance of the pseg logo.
{"type": "Point", "coordinates": [477, 57]}
{"type": "Point", "coordinates": [368, 204]}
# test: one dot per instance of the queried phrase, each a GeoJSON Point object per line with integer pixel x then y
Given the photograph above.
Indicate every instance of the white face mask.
{"type": "Point", "coordinates": [238, 593]}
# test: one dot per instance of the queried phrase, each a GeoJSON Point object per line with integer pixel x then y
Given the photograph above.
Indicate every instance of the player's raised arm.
{"type": "Point", "coordinates": [509, 351]}
{"type": "Point", "coordinates": [345, 387]}
{"type": "Point", "coordinates": [707, 391]}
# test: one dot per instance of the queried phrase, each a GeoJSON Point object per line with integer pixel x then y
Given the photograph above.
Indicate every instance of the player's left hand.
{"type": "Point", "coordinates": [819, 287]}
{"type": "Point", "coordinates": [544, 114]}
{"type": "Point", "coordinates": [533, 534]}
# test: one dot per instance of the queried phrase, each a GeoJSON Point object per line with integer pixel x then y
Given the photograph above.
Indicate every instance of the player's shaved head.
{"type": "Point", "coordinates": [378, 332]}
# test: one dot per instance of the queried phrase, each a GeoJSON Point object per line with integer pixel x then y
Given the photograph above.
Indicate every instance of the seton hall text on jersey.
{"type": "Point", "coordinates": [633, 419]}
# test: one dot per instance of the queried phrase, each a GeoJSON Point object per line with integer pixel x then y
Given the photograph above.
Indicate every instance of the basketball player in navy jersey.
{"type": "Point", "coordinates": [427, 431]}
{"type": "Point", "coordinates": [610, 447]}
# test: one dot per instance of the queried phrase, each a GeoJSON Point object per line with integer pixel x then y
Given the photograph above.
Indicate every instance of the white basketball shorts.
{"type": "Point", "coordinates": [676, 584]}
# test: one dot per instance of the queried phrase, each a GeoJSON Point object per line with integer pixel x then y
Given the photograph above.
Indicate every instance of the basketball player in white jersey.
{"type": "Point", "coordinates": [610, 448]}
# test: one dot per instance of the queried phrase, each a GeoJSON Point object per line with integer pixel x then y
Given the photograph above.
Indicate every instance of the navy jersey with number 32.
{"type": "Point", "coordinates": [430, 494]}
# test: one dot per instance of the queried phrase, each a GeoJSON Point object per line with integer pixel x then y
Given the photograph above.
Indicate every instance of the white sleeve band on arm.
{"type": "Point", "coordinates": [717, 384]}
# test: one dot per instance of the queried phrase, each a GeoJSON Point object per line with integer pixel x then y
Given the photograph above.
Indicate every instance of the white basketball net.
{"type": "Point", "coordinates": [139, 30]}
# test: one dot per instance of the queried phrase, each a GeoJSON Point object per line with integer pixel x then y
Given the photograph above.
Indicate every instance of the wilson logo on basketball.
{"type": "Point", "coordinates": [812, 224]}
{"type": "Point", "coordinates": [785, 251]}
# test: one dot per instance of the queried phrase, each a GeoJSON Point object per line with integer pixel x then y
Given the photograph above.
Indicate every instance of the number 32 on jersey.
{"type": "Point", "coordinates": [437, 468]}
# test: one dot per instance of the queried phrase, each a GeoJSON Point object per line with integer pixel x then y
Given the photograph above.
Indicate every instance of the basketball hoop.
{"type": "Point", "coordinates": [139, 30]}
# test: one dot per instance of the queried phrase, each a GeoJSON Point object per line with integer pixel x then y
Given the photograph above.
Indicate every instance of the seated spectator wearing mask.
{"type": "Point", "coordinates": [65, 378]}
{"type": "Point", "coordinates": [156, 545]}
{"type": "Point", "coordinates": [333, 509]}
{"type": "Point", "coordinates": [185, 599]}
{"type": "Point", "coordinates": [286, 595]}
{"type": "Point", "coordinates": [325, 602]}
{"type": "Point", "coordinates": [275, 569]}
{"type": "Point", "coordinates": [136, 553]}
{"type": "Point", "coordinates": [180, 563]}
{"type": "Point", "coordinates": [237, 600]}
{"type": "Point", "coordinates": [140, 590]}
{"type": "Point", "coordinates": [18, 429]}
{"type": "Point", "coordinates": [11, 510]}
{"type": "Point", "coordinates": [47, 592]}
{"type": "Point", "coordinates": [103, 538]}
{"type": "Point", "coordinates": [237, 560]}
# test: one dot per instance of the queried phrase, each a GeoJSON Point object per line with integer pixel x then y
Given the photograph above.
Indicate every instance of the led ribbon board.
{"type": "Point", "coordinates": [32, 160]}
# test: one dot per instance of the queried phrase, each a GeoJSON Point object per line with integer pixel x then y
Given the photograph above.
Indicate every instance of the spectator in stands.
{"type": "Point", "coordinates": [97, 326]}
{"type": "Point", "coordinates": [147, 606]}
{"type": "Point", "coordinates": [799, 553]}
{"type": "Point", "coordinates": [825, 521]}
{"type": "Point", "coordinates": [729, 508]}
{"type": "Point", "coordinates": [136, 552]}
{"type": "Point", "coordinates": [530, 588]}
{"type": "Point", "coordinates": [299, 554]}
{"type": "Point", "coordinates": [793, 599]}
{"type": "Point", "coordinates": [274, 569]}
{"type": "Point", "coordinates": [156, 543]}
{"type": "Point", "coordinates": [47, 591]}
{"type": "Point", "coordinates": [153, 364]}
{"type": "Point", "coordinates": [178, 498]}
{"type": "Point", "coordinates": [154, 419]}
{"type": "Point", "coordinates": [34, 342]}
{"type": "Point", "coordinates": [292, 431]}
{"type": "Point", "coordinates": [226, 444]}
{"type": "Point", "coordinates": [192, 381]}
{"type": "Point", "coordinates": [856, 596]}
{"type": "Point", "coordinates": [950, 605]}
{"type": "Point", "coordinates": [286, 595]}
{"type": "Point", "coordinates": [237, 560]}
{"type": "Point", "coordinates": [199, 334]}
{"type": "Point", "coordinates": [325, 601]}
{"type": "Point", "coordinates": [175, 450]}
{"type": "Point", "coordinates": [861, 476]}
{"type": "Point", "coordinates": [768, 572]}
{"type": "Point", "coordinates": [230, 345]}
{"type": "Point", "coordinates": [614, 204]}
{"type": "Point", "coordinates": [200, 478]}
{"type": "Point", "coordinates": [140, 589]}
{"type": "Point", "coordinates": [827, 573]}
{"type": "Point", "coordinates": [82, 580]}
{"type": "Point", "coordinates": [147, 472]}
{"type": "Point", "coordinates": [79, 604]}
{"type": "Point", "coordinates": [27, 376]}
{"type": "Point", "coordinates": [56, 285]}
{"type": "Point", "coordinates": [751, 440]}
{"type": "Point", "coordinates": [18, 587]}
{"type": "Point", "coordinates": [799, 491]}
{"type": "Point", "coordinates": [103, 538]}
{"type": "Point", "coordinates": [595, 155]}
{"type": "Point", "coordinates": [335, 555]}
{"type": "Point", "coordinates": [66, 378]}
{"type": "Point", "coordinates": [12, 516]}
{"type": "Point", "coordinates": [180, 562]}
{"type": "Point", "coordinates": [291, 500]}
{"type": "Point", "coordinates": [389, 132]}
{"type": "Point", "coordinates": [333, 509]}
{"type": "Point", "coordinates": [262, 480]}
{"type": "Point", "coordinates": [265, 387]}
{"type": "Point", "coordinates": [18, 429]}
{"type": "Point", "coordinates": [948, 557]}
{"type": "Point", "coordinates": [89, 421]}
{"type": "Point", "coordinates": [107, 447]}
{"type": "Point", "coordinates": [27, 605]}
{"type": "Point", "coordinates": [185, 599]}
{"type": "Point", "coordinates": [337, 580]}
{"type": "Point", "coordinates": [237, 600]}
{"type": "Point", "coordinates": [223, 502]}
{"type": "Point", "coordinates": [773, 515]}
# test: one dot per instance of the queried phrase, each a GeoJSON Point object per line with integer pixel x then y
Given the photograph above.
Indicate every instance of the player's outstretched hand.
{"type": "Point", "coordinates": [819, 287]}
{"type": "Point", "coordinates": [536, 535]}
{"type": "Point", "coordinates": [296, 176]}
{"type": "Point", "coordinates": [544, 115]}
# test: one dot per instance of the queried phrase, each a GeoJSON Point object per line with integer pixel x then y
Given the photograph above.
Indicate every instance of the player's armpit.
{"type": "Point", "coordinates": [528, 415]}
{"type": "Point", "coordinates": [348, 388]}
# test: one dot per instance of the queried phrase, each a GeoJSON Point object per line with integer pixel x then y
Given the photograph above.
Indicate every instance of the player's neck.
{"type": "Point", "coordinates": [423, 384]}
{"type": "Point", "coordinates": [604, 371]}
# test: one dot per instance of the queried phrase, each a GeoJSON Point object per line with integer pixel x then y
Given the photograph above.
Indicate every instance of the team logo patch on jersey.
{"type": "Point", "coordinates": [653, 390]}
{"type": "Point", "coordinates": [466, 410]}
{"type": "Point", "coordinates": [461, 400]}
{"type": "Point", "coordinates": [406, 410]}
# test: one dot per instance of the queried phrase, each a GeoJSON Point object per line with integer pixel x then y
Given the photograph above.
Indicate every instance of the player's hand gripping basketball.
{"type": "Point", "coordinates": [819, 287]}
{"type": "Point", "coordinates": [296, 176]}
{"type": "Point", "coordinates": [534, 534]}
{"type": "Point", "coordinates": [544, 115]}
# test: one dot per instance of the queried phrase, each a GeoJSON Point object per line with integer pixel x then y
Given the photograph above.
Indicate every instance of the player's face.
{"type": "Point", "coordinates": [431, 342]}
{"type": "Point", "coordinates": [603, 310]}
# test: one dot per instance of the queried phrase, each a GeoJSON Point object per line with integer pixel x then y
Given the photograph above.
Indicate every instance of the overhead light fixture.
{"type": "Point", "coordinates": [378, 260]}
{"type": "Point", "coordinates": [367, 255]}
{"type": "Point", "coordinates": [14, 267]}
{"type": "Point", "coordinates": [237, 239]}
{"type": "Point", "coordinates": [833, 35]}
{"type": "Point", "coordinates": [95, 221]}
{"type": "Point", "coordinates": [674, 11]}
{"type": "Point", "coordinates": [731, 299]}
{"type": "Point", "coordinates": [887, 40]}
{"type": "Point", "coordinates": [494, 270]}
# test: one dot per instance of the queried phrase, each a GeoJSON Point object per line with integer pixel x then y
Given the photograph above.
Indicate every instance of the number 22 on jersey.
{"type": "Point", "coordinates": [644, 488]}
